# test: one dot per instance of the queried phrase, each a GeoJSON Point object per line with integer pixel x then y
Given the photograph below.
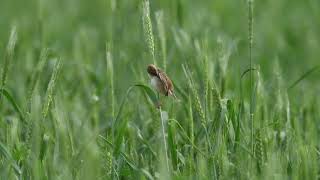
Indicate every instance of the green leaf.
{"type": "Point", "coordinates": [121, 126]}
{"type": "Point", "coordinates": [5, 152]}
{"type": "Point", "coordinates": [8, 96]}
{"type": "Point", "coordinates": [172, 145]}
{"type": "Point", "coordinates": [302, 77]}
{"type": "Point", "coordinates": [152, 95]}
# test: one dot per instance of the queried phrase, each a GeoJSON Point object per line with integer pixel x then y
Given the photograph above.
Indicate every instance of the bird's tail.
{"type": "Point", "coordinates": [173, 95]}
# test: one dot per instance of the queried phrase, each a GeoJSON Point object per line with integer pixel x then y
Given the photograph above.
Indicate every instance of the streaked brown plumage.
{"type": "Point", "coordinates": [160, 81]}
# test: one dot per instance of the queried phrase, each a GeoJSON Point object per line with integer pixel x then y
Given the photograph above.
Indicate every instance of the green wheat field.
{"type": "Point", "coordinates": [76, 100]}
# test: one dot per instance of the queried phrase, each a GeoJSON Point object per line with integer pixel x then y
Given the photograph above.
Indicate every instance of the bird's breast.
{"type": "Point", "coordinates": [157, 84]}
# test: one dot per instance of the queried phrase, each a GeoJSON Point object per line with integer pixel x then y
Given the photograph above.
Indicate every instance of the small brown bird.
{"type": "Point", "coordinates": [160, 81]}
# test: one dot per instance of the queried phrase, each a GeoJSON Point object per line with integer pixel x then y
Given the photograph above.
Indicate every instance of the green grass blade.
{"type": "Point", "coordinates": [121, 127]}
{"type": "Point", "coordinates": [304, 76]}
{"type": "Point", "coordinates": [36, 74]}
{"type": "Point", "coordinates": [124, 155]}
{"type": "Point", "coordinates": [247, 71]}
{"type": "Point", "coordinates": [5, 152]}
{"type": "Point", "coordinates": [110, 75]}
{"type": "Point", "coordinates": [172, 145]}
{"type": "Point", "coordinates": [11, 100]}
{"type": "Point", "coordinates": [151, 94]}
{"type": "Point", "coordinates": [146, 89]}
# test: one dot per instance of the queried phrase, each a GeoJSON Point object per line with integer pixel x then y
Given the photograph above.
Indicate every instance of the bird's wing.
{"type": "Point", "coordinates": [163, 78]}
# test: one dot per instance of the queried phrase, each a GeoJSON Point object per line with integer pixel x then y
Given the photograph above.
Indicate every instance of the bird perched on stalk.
{"type": "Point", "coordinates": [160, 81]}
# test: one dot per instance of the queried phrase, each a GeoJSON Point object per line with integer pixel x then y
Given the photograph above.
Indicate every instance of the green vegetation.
{"type": "Point", "coordinates": [75, 99]}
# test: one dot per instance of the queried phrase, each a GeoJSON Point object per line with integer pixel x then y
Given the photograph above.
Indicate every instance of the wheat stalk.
{"type": "Point", "coordinates": [109, 60]}
{"type": "Point", "coordinates": [50, 89]}
{"type": "Point", "coordinates": [147, 27]}
{"type": "Point", "coordinates": [8, 57]}
{"type": "Point", "coordinates": [250, 39]}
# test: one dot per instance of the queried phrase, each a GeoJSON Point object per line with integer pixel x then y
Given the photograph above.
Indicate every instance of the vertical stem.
{"type": "Point", "coordinates": [250, 26]}
{"type": "Point", "coordinates": [40, 22]}
{"type": "Point", "coordinates": [191, 121]}
{"type": "Point", "coordinates": [110, 80]}
{"type": "Point", "coordinates": [164, 139]}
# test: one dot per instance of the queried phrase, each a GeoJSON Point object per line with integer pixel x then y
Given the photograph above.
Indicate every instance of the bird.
{"type": "Point", "coordinates": [160, 81]}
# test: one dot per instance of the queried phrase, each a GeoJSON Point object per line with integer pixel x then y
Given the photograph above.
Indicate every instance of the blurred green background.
{"type": "Point", "coordinates": [287, 31]}
{"type": "Point", "coordinates": [286, 42]}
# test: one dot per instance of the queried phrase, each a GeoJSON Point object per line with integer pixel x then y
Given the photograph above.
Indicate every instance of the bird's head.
{"type": "Point", "coordinates": [152, 70]}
